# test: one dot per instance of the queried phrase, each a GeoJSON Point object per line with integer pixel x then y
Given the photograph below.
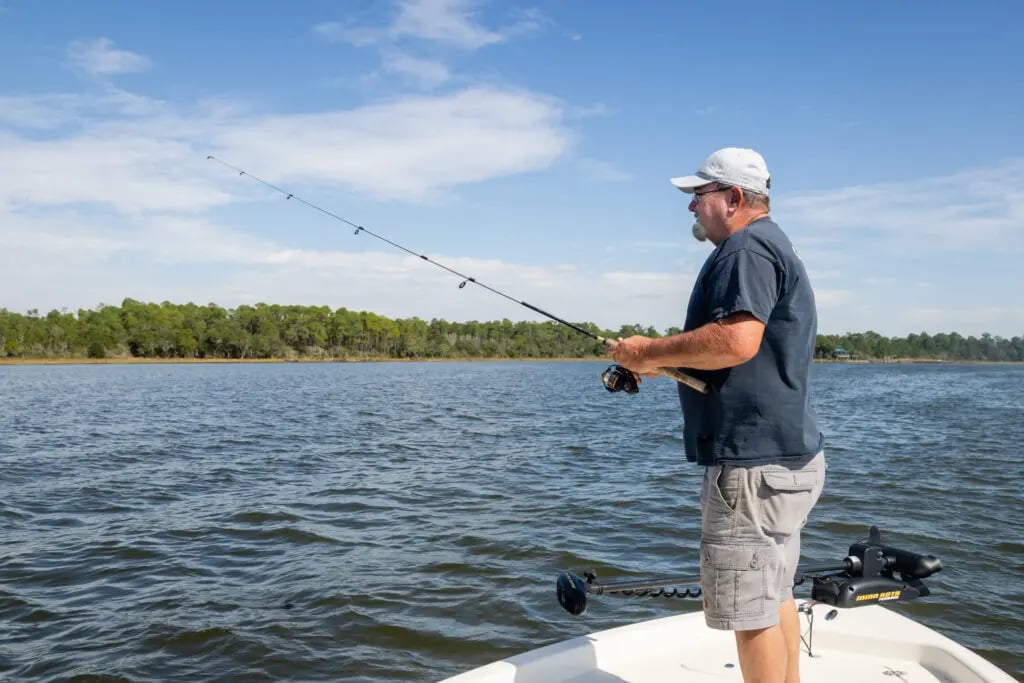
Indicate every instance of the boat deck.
{"type": "Point", "coordinates": [857, 646]}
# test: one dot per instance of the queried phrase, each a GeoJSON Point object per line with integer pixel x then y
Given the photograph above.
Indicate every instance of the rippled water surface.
{"type": "Point", "coordinates": [404, 522]}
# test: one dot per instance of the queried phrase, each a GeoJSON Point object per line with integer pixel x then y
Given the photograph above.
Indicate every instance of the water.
{"type": "Point", "coordinates": [404, 522]}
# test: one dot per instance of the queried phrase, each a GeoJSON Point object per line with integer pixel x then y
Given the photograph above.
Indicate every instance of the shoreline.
{"type": "Point", "coordinates": [191, 361]}
{"type": "Point", "coordinates": [594, 359]}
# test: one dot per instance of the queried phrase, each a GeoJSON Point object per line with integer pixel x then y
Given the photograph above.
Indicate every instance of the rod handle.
{"type": "Point", "coordinates": [683, 378]}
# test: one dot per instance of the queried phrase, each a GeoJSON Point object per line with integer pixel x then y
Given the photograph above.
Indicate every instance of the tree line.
{"type": "Point", "coordinates": [137, 329]}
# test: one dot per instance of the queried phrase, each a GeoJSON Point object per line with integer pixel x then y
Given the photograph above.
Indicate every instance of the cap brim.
{"type": "Point", "coordinates": [688, 183]}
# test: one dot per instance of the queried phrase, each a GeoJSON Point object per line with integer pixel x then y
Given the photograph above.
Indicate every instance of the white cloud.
{"type": "Point", "coordinates": [819, 274]}
{"type": "Point", "coordinates": [832, 297]}
{"type": "Point", "coordinates": [646, 279]}
{"type": "Point", "coordinates": [67, 238]}
{"type": "Point", "coordinates": [98, 57]}
{"type": "Point", "coordinates": [451, 22]}
{"type": "Point", "coordinates": [130, 172]}
{"type": "Point", "coordinates": [890, 252]}
{"type": "Point", "coordinates": [406, 149]}
{"type": "Point", "coordinates": [117, 205]}
{"type": "Point", "coordinates": [38, 112]}
{"type": "Point", "coordinates": [49, 111]}
{"type": "Point", "coordinates": [525, 22]}
{"type": "Point", "coordinates": [418, 41]}
{"type": "Point", "coordinates": [127, 104]}
{"type": "Point", "coordinates": [971, 210]}
{"type": "Point", "coordinates": [424, 72]}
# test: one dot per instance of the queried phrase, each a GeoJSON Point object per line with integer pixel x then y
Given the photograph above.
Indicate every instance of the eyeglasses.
{"type": "Point", "coordinates": [698, 195]}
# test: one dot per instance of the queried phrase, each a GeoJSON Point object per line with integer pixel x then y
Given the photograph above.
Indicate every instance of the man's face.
{"type": "Point", "coordinates": [710, 207]}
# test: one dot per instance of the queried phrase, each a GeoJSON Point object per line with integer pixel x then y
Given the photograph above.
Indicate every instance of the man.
{"type": "Point", "coordinates": [750, 333]}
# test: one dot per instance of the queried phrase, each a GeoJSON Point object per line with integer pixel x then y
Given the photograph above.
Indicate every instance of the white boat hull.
{"type": "Point", "coordinates": [859, 645]}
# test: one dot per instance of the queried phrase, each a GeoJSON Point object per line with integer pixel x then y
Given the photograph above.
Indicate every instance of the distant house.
{"type": "Point", "coordinates": [839, 353]}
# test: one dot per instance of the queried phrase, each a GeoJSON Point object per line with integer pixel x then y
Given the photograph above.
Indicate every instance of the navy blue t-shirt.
{"type": "Point", "coordinates": [758, 411]}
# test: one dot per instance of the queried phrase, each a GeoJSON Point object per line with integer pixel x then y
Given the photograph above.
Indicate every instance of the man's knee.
{"type": "Point", "coordinates": [749, 635]}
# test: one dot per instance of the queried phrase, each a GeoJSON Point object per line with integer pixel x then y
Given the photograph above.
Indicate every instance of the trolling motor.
{"type": "Point", "coordinates": [864, 577]}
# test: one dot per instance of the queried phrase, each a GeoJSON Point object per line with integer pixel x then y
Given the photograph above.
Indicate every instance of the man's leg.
{"type": "Point", "coordinates": [737, 504]}
{"type": "Point", "coordinates": [789, 620]}
{"type": "Point", "coordinates": [763, 655]}
{"type": "Point", "coordinates": [772, 655]}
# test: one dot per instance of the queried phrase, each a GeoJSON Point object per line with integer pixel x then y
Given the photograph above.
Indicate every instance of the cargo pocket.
{"type": "Point", "coordinates": [734, 579]}
{"type": "Point", "coordinates": [787, 499]}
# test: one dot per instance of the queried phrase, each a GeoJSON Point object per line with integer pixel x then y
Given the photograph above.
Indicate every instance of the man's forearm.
{"type": "Point", "coordinates": [710, 347]}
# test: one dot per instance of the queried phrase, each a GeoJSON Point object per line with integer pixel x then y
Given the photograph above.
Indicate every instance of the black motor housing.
{"type": "Point", "coordinates": [572, 593]}
{"type": "Point", "coordinates": [869, 578]}
{"type": "Point", "coordinates": [842, 590]}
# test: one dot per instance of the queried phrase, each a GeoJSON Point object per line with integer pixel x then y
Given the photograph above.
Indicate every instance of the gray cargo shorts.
{"type": "Point", "coordinates": [750, 538]}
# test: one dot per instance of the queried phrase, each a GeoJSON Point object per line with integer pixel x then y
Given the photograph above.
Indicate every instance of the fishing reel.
{"type": "Point", "coordinates": [617, 378]}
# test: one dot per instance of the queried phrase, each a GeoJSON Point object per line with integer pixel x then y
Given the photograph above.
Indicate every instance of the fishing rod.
{"type": "Point", "coordinates": [615, 378]}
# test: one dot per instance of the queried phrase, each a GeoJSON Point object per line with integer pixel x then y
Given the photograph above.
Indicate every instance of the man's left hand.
{"type": "Point", "coordinates": [633, 353]}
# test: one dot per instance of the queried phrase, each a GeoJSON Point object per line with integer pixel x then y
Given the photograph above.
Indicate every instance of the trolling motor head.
{"type": "Point", "coordinates": [618, 378]}
{"type": "Point", "coordinates": [869, 575]}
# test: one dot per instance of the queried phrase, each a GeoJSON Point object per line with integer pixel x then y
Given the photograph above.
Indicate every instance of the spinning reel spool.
{"type": "Point", "coordinates": [617, 378]}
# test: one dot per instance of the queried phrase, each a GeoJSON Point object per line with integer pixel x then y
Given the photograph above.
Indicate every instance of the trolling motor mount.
{"type": "Point", "coordinates": [868, 577]}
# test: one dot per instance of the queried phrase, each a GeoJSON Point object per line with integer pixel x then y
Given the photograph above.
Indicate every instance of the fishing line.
{"type": "Point", "coordinates": [615, 378]}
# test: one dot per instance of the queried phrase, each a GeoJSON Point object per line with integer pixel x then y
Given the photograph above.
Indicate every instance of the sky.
{"type": "Point", "coordinates": [529, 146]}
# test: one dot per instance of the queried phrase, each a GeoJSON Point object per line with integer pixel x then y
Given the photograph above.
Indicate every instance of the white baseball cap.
{"type": "Point", "coordinates": [730, 166]}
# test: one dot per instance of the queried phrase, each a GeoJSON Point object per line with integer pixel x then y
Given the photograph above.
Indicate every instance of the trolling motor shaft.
{"type": "Point", "coordinates": [864, 577]}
